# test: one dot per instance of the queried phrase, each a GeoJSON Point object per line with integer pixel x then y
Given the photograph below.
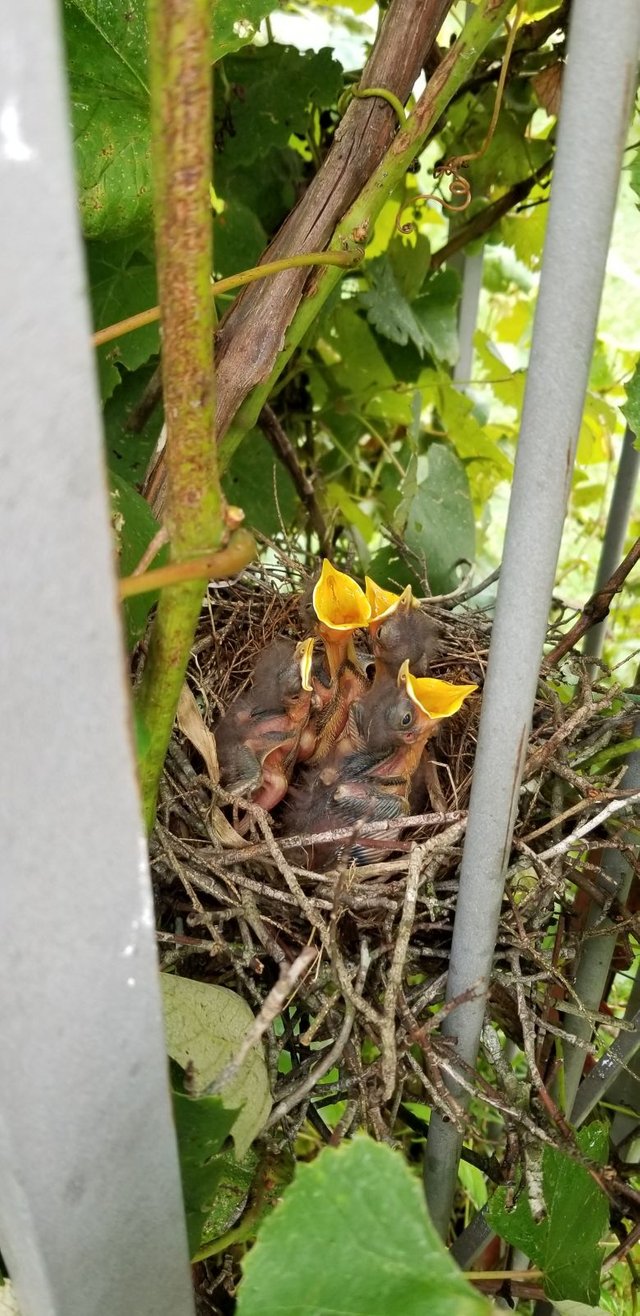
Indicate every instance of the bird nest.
{"type": "Point", "coordinates": [360, 954]}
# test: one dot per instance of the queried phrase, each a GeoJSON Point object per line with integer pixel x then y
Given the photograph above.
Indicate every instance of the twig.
{"type": "Point", "coordinates": [597, 607]}
{"type": "Point", "coordinates": [153, 548]}
{"type": "Point", "coordinates": [614, 806]}
{"type": "Point", "coordinates": [284, 449]}
{"type": "Point", "coordinates": [394, 980]}
{"type": "Point", "coordinates": [329, 1057]}
{"type": "Point", "coordinates": [274, 1004]}
{"type": "Point", "coordinates": [456, 816]}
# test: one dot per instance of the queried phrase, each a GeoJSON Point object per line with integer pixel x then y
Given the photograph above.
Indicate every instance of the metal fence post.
{"type": "Point", "coordinates": [617, 522]}
{"type": "Point", "coordinates": [599, 80]}
{"type": "Point", "coordinates": [91, 1217]}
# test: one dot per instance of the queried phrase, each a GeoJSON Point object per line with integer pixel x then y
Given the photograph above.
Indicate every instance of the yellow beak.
{"type": "Point", "coordinates": [384, 602]}
{"type": "Point", "coordinates": [339, 603]}
{"type": "Point", "coordinates": [438, 699]}
{"type": "Point", "coordinates": [304, 655]}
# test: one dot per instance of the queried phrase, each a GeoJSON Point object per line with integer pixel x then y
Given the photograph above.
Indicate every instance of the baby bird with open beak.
{"type": "Point", "coordinates": [368, 775]}
{"type": "Point", "coordinates": [341, 608]}
{"type": "Point", "coordinates": [258, 737]}
{"type": "Point", "coordinates": [399, 630]}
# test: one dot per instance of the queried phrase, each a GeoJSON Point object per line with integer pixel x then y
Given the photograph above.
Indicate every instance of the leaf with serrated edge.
{"type": "Point", "coordinates": [204, 1026]}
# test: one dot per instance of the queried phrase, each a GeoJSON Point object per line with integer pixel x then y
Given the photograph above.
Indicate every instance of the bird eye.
{"type": "Point", "coordinates": [407, 719]}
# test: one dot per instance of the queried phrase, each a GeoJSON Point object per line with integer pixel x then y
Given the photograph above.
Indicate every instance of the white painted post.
{"type": "Point", "coordinates": [91, 1217]}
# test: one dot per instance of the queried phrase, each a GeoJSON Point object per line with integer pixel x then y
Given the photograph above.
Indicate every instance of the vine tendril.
{"type": "Point", "coordinates": [460, 186]}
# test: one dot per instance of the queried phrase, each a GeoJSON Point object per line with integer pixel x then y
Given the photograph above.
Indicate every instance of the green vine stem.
{"type": "Point", "coordinates": [390, 97]}
{"type": "Point", "coordinates": [447, 80]}
{"type": "Point", "coordinates": [181, 108]}
{"type": "Point", "coordinates": [341, 259]}
{"type": "Point", "coordinates": [228, 561]}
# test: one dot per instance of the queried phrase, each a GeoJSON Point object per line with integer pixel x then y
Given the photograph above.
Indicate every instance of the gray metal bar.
{"type": "Point", "coordinates": [91, 1217]}
{"type": "Point", "coordinates": [617, 522]}
{"type": "Point", "coordinates": [600, 76]}
{"type": "Point", "coordinates": [595, 960]}
{"type": "Point", "coordinates": [625, 1091]}
{"type": "Point", "coordinates": [596, 1085]}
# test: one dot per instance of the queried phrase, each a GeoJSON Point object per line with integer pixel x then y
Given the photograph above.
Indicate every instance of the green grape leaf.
{"type": "Point", "coordinates": [388, 310]}
{"type": "Point", "coordinates": [107, 59]}
{"type": "Point", "coordinates": [128, 454]}
{"type": "Point", "coordinates": [464, 431]}
{"type": "Point", "coordinates": [202, 1126]}
{"type": "Point", "coordinates": [235, 22]}
{"type": "Point", "coordinates": [429, 322]}
{"type": "Point", "coordinates": [634, 175]}
{"type": "Point", "coordinates": [272, 90]}
{"type": "Point", "coordinates": [631, 408]}
{"type": "Point", "coordinates": [134, 526]}
{"type": "Point", "coordinates": [109, 87]}
{"type": "Point", "coordinates": [204, 1026]}
{"type": "Point", "coordinates": [596, 431]}
{"type": "Point", "coordinates": [238, 240]}
{"type": "Point", "coordinates": [440, 528]}
{"type": "Point", "coordinates": [354, 1220]}
{"type": "Point", "coordinates": [565, 1245]}
{"type": "Point", "coordinates": [258, 483]}
{"type": "Point", "coordinates": [122, 282]}
{"type": "Point", "coordinates": [436, 310]}
{"type": "Point", "coordinates": [410, 257]}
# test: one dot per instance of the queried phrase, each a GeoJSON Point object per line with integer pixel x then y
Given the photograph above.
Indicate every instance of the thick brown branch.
{"type": "Point", "coordinates": [597, 607]}
{"type": "Point", "coordinates": [284, 449]}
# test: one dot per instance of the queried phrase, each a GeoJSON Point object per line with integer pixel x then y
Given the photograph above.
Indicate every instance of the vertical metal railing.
{"type": "Point", "coordinates": [91, 1218]}
{"type": "Point", "coordinates": [620, 508]}
{"type": "Point", "coordinates": [599, 79]}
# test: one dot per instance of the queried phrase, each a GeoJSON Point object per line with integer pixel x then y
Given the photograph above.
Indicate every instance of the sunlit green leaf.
{"type": "Point", "coordinates": [631, 407]}
{"type": "Point", "coordinates": [107, 55]}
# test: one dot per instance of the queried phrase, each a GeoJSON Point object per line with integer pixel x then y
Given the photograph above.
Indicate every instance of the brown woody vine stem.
{"type": "Point", "coordinates": [342, 259]}
{"type": "Point", "coordinates": [181, 109]}
{"type": "Point", "coordinates": [450, 75]}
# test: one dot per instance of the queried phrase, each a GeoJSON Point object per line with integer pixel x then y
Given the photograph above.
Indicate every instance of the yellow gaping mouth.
{"type": "Point", "coordinates": [384, 602]}
{"type": "Point", "coordinates": [339, 602]}
{"type": "Point", "coordinates": [304, 655]}
{"type": "Point", "coordinates": [438, 699]}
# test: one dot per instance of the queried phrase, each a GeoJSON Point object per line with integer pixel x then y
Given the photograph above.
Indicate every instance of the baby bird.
{"type": "Point", "coordinates": [399, 630]}
{"type": "Point", "coordinates": [368, 775]}
{"type": "Point", "coordinates": [341, 608]}
{"type": "Point", "coordinates": [258, 737]}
